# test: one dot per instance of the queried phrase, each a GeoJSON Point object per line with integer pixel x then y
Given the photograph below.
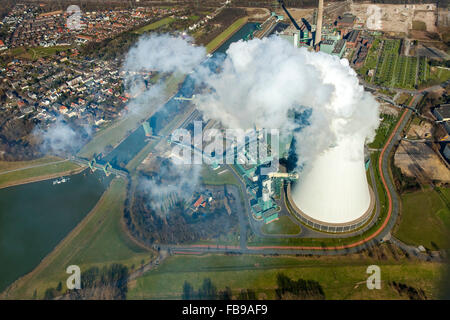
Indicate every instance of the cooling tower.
{"type": "Point", "coordinates": [333, 190]}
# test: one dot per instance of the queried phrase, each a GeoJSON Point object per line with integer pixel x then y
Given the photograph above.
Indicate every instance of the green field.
{"type": "Point", "coordinates": [212, 177]}
{"type": "Point", "coordinates": [155, 25]}
{"type": "Point", "coordinates": [425, 219]}
{"type": "Point", "coordinates": [284, 225]}
{"type": "Point", "coordinates": [340, 277]}
{"type": "Point", "coordinates": [217, 41]}
{"type": "Point", "coordinates": [36, 52]}
{"type": "Point", "coordinates": [395, 70]}
{"type": "Point", "coordinates": [38, 173]}
{"type": "Point", "coordinates": [12, 165]}
{"type": "Point", "coordinates": [98, 240]}
{"type": "Point", "coordinates": [40, 52]}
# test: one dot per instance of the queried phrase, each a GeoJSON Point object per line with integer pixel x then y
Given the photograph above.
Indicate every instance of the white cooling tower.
{"type": "Point", "coordinates": [334, 188]}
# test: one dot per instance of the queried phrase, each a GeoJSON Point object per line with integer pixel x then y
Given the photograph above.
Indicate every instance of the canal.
{"type": "Point", "coordinates": [35, 217]}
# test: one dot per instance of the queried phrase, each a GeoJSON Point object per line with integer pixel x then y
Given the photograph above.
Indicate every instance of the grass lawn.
{"type": "Point", "coordinates": [340, 277]}
{"type": "Point", "coordinates": [99, 240]}
{"type": "Point", "coordinates": [212, 177]}
{"type": "Point", "coordinates": [425, 219]}
{"type": "Point", "coordinates": [39, 52]}
{"type": "Point", "coordinates": [217, 41]}
{"type": "Point", "coordinates": [38, 173]}
{"type": "Point", "coordinates": [155, 25]}
{"type": "Point", "coordinates": [283, 225]}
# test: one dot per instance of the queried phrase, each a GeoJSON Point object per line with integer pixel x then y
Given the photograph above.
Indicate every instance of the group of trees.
{"type": "Point", "coordinates": [403, 182]}
{"type": "Point", "coordinates": [208, 291]}
{"type": "Point", "coordinates": [177, 224]}
{"type": "Point", "coordinates": [108, 283]}
{"type": "Point", "coordinates": [286, 289]}
{"type": "Point", "coordinates": [16, 140]}
{"type": "Point", "coordinates": [409, 291]}
{"type": "Point", "coordinates": [300, 289]}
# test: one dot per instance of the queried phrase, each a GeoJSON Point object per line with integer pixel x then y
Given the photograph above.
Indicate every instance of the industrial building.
{"type": "Point", "coordinates": [262, 190]}
{"type": "Point", "coordinates": [324, 38]}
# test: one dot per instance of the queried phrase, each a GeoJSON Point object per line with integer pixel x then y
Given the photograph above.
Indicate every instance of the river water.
{"type": "Point", "coordinates": [35, 217]}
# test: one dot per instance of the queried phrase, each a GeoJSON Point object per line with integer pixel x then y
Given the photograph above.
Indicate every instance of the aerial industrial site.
{"type": "Point", "coordinates": [224, 150]}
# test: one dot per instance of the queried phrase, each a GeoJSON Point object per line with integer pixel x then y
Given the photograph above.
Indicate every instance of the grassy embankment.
{"type": "Point", "coordinates": [340, 277]}
{"type": "Point", "coordinates": [20, 172]}
{"type": "Point", "coordinates": [224, 36]}
{"type": "Point", "coordinates": [425, 219]}
{"type": "Point", "coordinates": [98, 240]}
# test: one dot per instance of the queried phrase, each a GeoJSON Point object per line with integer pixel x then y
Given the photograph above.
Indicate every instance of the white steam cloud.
{"type": "Point", "coordinates": [164, 53]}
{"type": "Point", "coordinates": [60, 138]}
{"type": "Point", "coordinates": [174, 183]}
{"type": "Point", "coordinates": [262, 81]}
{"type": "Point", "coordinates": [269, 84]}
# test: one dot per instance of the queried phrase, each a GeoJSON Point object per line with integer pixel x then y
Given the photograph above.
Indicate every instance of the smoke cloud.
{"type": "Point", "coordinates": [173, 182]}
{"type": "Point", "coordinates": [60, 138]}
{"type": "Point", "coordinates": [264, 82]}
{"type": "Point", "coordinates": [164, 53]}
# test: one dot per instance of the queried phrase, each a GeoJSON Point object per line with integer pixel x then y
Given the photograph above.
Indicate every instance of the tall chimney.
{"type": "Point", "coordinates": [319, 23]}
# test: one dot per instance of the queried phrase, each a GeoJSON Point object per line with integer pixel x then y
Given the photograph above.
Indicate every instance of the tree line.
{"type": "Point", "coordinates": [287, 288]}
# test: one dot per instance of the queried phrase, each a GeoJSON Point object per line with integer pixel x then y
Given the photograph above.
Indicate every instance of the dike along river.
{"type": "Point", "coordinates": [35, 217]}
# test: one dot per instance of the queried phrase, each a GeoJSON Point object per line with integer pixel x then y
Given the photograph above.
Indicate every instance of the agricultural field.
{"type": "Point", "coordinates": [398, 71]}
{"type": "Point", "coordinates": [425, 218]}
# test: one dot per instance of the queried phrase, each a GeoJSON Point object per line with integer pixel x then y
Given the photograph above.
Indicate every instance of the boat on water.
{"type": "Point", "coordinates": [60, 180]}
